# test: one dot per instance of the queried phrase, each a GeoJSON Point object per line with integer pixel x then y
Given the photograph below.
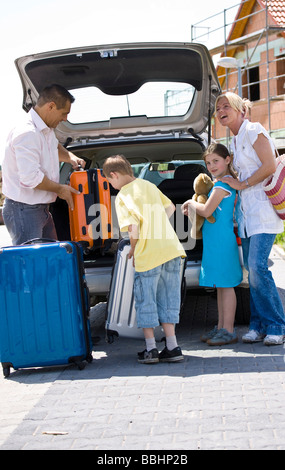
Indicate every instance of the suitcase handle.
{"type": "Point", "coordinates": [79, 168]}
{"type": "Point", "coordinates": [87, 298]}
{"type": "Point", "coordinates": [39, 240]}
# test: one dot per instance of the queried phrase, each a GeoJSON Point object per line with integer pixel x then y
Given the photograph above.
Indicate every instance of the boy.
{"type": "Point", "coordinates": [143, 211]}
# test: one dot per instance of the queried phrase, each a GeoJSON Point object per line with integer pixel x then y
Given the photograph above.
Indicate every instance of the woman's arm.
{"type": "Point", "coordinates": [267, 168]}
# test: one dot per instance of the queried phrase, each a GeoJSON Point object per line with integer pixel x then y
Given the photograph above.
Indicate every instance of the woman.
{"type": "Point", "coordinates": [254, 160]}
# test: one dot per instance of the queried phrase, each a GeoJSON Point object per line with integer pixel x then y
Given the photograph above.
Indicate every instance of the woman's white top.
{"type": "Point", "coordinates": [254, 212]}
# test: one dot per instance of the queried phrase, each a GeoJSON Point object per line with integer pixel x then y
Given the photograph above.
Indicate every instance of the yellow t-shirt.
{"type": "Point", "coordinates": [141, 203]}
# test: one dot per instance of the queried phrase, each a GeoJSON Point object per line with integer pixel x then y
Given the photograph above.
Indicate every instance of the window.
{"type": "Point", "coordinates": [281, 79]}
{"type": "Point", "coordinates": [153, 99]}
{"type": "Point", "coordinates": [251, 79]}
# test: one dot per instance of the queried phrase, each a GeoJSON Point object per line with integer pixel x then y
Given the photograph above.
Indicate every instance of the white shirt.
{"type": "Point", "coordinates": [31, 153]}
{"type": "Point", "coordinates": [254, 212]}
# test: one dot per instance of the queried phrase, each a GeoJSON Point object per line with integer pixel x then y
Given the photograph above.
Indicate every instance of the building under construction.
{"type": "Point", "coordinates": [254, 42]}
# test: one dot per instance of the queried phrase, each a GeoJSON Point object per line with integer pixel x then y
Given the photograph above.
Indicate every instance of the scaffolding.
{"type": "Point", "coordinates": [226, 29]}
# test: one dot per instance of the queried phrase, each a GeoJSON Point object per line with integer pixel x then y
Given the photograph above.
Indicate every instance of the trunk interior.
{"type": "Point", "coordinates": [138, 153]}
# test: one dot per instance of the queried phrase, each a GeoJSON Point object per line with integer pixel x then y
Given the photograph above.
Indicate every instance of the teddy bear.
{"type": "Point", "coordinates": [202, 186]}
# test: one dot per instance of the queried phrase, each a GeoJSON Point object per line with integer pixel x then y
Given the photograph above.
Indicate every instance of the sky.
{"type": "Point", "coordinates": [32, 26]}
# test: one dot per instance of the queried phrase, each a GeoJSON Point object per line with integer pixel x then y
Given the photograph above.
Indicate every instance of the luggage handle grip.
{"type": "Point", "coordinates": [39, 240]}
{"type": "Point", "coordinates": [87, 297]}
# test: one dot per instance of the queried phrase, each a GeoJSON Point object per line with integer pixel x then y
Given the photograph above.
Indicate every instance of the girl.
{"type": "Point", "coordinates": [220, 261]}
{"type": "Point", "coordinates": [258, 223]}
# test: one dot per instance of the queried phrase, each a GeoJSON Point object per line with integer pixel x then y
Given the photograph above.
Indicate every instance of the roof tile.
{"type": "Point", "coordinates": [276, 9]}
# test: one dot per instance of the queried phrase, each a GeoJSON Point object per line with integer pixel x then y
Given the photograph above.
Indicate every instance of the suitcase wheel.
{"type": "Point", "coordinates": [89, 358]}
{"type": "Point", "coordinates": [80, 361]}
{"type": "Point", "coordinates": [110, 335]}
{"type": "Point", "coordinates": [80, 365]}
{"type": "Point", "coordinates": [6, 368]}
{"type": "Point", "coordinates": [6, 371]}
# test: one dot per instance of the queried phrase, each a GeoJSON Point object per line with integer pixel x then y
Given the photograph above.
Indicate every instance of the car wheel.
{"type": "Point", "coordinates": [97, 316]}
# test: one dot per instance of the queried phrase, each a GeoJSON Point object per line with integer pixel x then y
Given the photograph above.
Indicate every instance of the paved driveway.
{"type": "Point", "coordinates": [218, 398]}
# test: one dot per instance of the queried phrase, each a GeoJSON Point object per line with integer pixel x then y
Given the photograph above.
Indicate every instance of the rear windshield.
{"type": "Point", "coordinates": [158, 172]}
{"type": "Point", "coordinates": [152, 99]}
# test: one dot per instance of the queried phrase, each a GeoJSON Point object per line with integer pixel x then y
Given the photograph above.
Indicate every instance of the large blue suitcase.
{"type": "Point", "coordinates": [44, 306]}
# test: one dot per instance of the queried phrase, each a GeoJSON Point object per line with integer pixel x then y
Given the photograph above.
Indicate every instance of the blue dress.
{"type": "Point", "coordinates": [220, 261]}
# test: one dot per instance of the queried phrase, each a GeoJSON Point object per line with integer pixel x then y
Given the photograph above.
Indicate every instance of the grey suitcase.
{"type": "Point", "coordinates": [121, 312]}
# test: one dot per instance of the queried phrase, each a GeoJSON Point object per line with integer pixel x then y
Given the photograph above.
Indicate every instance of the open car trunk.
{"type": "Point", "coordinates": [151, 102]}
{"type": "Point", "coordinates": [140, 154]}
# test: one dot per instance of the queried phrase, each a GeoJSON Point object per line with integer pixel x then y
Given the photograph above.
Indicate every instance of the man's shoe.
{"type": "Point", "coordinates": [148, 357]}
{"type": "Point", "coordinates": [252, 337]}
{"type": "Point", "coordinates": [273, 340]}
{"type": "Point", "coordinates": [171, 356]}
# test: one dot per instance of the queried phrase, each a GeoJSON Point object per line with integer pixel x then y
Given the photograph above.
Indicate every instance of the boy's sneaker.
{"type": "Point", "coordinates": [171, 356]}
{"type": "Point", "coordinates": [273, 340]}
{"type": "Point", "coordinates": [252, 336]}
{"type": "Point", "coordinates": [148, 357]}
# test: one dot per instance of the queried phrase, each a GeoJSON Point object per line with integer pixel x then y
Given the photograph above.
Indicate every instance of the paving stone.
{"type": "Point", "coordinates": [228, 398]}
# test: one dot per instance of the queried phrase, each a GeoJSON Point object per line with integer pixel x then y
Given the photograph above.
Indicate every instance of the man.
{"type": "Point", "coordinates": [30, 168]}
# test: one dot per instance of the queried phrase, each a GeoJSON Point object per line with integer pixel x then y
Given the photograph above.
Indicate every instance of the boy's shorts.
{"type": "Point", "coordinates": [157, 294]}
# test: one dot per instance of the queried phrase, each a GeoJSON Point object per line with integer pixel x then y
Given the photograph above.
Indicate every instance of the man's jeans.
{"type": "Point", "coordinates": [267, 313]}
{"type": "Point", "coordinates": [25, 222]}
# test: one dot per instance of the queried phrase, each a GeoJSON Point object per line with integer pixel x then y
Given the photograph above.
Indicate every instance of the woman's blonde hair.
{"type": "Point", "coordinates": [236, 102]}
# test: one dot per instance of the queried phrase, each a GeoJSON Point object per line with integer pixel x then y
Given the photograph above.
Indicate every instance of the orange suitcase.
{"type": "Point", "coordinates": [91, 218]}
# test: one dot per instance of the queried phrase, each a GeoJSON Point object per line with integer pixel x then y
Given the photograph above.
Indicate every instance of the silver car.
{"type": "Point", "coordinates": [151, 102]}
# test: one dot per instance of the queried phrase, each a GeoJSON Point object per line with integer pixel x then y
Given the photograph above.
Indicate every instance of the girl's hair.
{"type": "Point", "coordinates": [119, 164]}
{"type": "Point", "coordinates": [236, 102]}
{"type": "Point", "coordinates": [223, 152]}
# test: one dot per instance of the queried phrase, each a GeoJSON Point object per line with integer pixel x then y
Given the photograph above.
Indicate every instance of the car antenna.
{"type": "Point", "coordinates": [128, 104]}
